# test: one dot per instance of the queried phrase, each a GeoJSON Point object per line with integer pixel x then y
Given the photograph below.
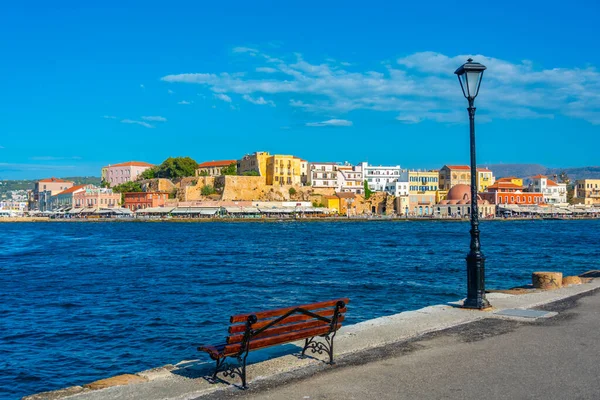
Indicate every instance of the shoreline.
{"type": "Point", "coordinates": [277, 220]}
{"type": "Point", "coordinates": [186, 379]}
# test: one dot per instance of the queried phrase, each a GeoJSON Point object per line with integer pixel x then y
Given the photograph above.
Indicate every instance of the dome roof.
{"type": "Point", "coordinates": [459, 192]}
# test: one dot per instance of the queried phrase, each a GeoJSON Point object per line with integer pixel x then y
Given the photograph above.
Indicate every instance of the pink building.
{"type": "Point", "coordinates": [96, 198]}
{"type": "Point", "coordinates": [124, 172]}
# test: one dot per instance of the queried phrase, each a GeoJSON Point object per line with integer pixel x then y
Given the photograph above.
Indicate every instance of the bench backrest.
{"type": "Point", "coordinates": [284, 325]}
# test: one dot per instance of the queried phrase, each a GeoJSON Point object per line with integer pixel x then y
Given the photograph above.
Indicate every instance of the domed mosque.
{"type": "Point", "coordinates": [458, 203]}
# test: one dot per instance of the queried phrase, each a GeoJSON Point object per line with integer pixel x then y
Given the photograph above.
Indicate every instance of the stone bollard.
{"type": "Point", "coordinates": [547, 280]}
{"type": "Point", "coordinates": [571, 280]}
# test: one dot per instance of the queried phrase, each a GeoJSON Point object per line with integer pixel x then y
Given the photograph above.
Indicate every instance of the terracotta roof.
{"type": "Point", "coordinates": [504, 185]}
{"type": "Point", "coordinates": [55, 180]}
{"type": "Point", "coordinates": [484, 170]}
{"type": "Point", "coordinates": [73, 189]}
{"type": "Point", "coordinates": [132, 164]}
{"type": "Point", "coordinates": [458, 167]}
{"type": "Point", "coordinates": [346, 195]}
{"type": "Point", "coordinates": [223, 163]}
{"type": "Point", "coordinates": [331, 197]}
{"type": "Point", "coordinates": [506, 179]}
{"type": "Point", "coordinates": [551, 183]}
{"type": "Point", "coordinates": [538, 176]}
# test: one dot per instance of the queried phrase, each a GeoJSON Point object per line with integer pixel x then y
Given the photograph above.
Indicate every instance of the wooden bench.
{"type": "Point", "coordinates": [262, 329]}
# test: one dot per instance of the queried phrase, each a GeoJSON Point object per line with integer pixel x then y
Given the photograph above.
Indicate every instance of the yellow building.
{"type": "Point", "coordinates": [283, 170]}
{"type": "Point", "coordinates": [587, 191]}
{"type": "Point", "coordinates": [511, 179]}
{"type": "Point", "coordinates": [485, 178]}
{"type": "Point", "coordinates": [256, 162]}
{"type": "Point", "coordinates": [332, 202]}
{"type": "Point", "coordinates": [423, 188]}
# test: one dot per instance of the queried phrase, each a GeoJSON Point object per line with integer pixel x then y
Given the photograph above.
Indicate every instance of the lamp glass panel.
{"type": "Point", "coordinates": [463, 81]}
{"type": "Point", "coordinates": [473, 78]}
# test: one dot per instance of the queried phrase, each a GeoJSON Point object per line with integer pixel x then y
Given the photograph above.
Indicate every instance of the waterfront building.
{"type": "Point", "coordinates": [323, 174]}
{"type": "Point", "coordinates": [96, 198]}
{"type": "Point", "coordinates": [451, 175]}
{"type": "Point", "coordinates": [125, 172]}
{"type": "Point", "coordinates": [141, 200]}
{"type": "Point", "coordinates": [350, 179]}
{"type": "Point", "coordinates": [400, 186]}
{"type": "Point", "coordinates": [213, 168]}
{"type": "Point", "coordinates": [332, 203]}
{"type": "Point", "coordinates": [378, 176]}
{"type": "Point", "coordinates": [511, 179]}
{"type": "Point", "coordinates": [508, 193]}
{"type": "Point", "coordinates": [43, 191]}
{"type": "Point", "coordinates": [553, 193]}
{"type": "Point", "coordinates": [303, 171]}
{"type": "Point", "coordinates": [278, 169]}
{"type": "Point", "coordinates": [256, 162]}
{"type": "Point", "coordinates": [283, 170]}
{"type": "Point", "coordinates": [423, 181]}
{"type": "Point", "coordinates": [587, 191]}
{"type": "Point", "coordinates": [64, 200]}
{"type": "Point", "coordinates": [13, 207]}
{"type": "Point", "coordinates": [458, 204]}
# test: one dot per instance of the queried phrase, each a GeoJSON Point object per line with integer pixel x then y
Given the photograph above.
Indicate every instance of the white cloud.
{"type": "Point", "coordinates": [418, 87]}
{"type": "Point", "coordinates": [267, 70]}
{"type": "Point", "coordinates": [142, 86]}
{"type": "Point", "coordinates": [142, 123]}
{"type": "Point", "coordinates": [331, 122]}
{"type": "Point", "coordinates": [245, 50]}
{"type": "Point", "coordinates": [259, 101]}
{"type": "Point", "coordinates": [109, 117]}
{"type": "Point", "coordinates": [184, 102]}
{"type": "Point", "coordinates": [223, 96]}
{"type": "Point", "coordinates": [155, 118]}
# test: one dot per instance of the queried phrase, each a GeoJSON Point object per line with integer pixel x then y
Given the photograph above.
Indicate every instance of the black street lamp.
{"type": "Point", "coordinates": [469, 77]}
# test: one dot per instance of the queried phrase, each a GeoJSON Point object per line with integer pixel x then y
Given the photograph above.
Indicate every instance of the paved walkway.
{"type": "Point", "coordinates": [558, 358]}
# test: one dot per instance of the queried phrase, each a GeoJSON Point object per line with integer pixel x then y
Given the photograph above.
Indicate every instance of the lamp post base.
{"type": "Point", "coordinates": [476, 282]}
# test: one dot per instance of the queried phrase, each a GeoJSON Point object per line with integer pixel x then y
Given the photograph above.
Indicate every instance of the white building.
{"type": "Point", "coordinates": [350, 179]}
{"type": "Point", "coordinates": [378, 177]}
{"type": "Point", "coordinates": [554, 193]}
{"type": "Point", "coordinates": [322, 175]}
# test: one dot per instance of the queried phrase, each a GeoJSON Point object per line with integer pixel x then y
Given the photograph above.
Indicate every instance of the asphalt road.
{"type": "Point", "coordinates": [558, 358]}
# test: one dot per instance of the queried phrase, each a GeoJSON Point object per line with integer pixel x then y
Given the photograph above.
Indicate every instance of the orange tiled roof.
{"type": "Point", "coordinates": [539, 176]}
{"type": "Point", "coordinates": [507, 179]}
{"type": "Point", "coordinates": [73, 189]}
{"type": "Point", "coordinates": [458, 167]}
{"type": "Point", "coordinates": [133, 164]}
{"type": "Point", "coordinates": [55, 180]}
{"type": "Point", "coordinates": [223, 163]}
{"type": "Point", "coordinates": [551, 183]}
{"type": "Point", "coordinates": [484, 170]}
{"type": "Point", "coordinates": [504, 185]}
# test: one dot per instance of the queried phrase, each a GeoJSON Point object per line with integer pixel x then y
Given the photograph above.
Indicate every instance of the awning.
{"type": "Point", "coordinates": [242, 210]}
{"type": "Point", "coordinates": [155, 210]}
{"type": "Point", "coordinates": [195, 210]}
{"type": "Point", "coordinates": [75, 210]}
{"type": "Point", "coordinates": [277, 210]}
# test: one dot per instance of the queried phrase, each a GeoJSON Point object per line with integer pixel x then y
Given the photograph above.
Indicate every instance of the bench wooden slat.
{"type": "Point", "coordinates": [281, 311]}
{"type": "Point", "coordinates": [279, 329]}
{"type": "Point", "coordinates": [292, 318]}
{"type": "Point", "coordinates": [231, 349]}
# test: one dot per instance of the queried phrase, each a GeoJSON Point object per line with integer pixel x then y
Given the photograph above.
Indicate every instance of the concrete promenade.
{"type": "Point", "coordinates": [437, 352]}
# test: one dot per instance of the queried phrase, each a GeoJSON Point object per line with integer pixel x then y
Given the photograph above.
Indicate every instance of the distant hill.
{"type": "Point", "coordinates": [529, 170]}
{"type": "Point", "coordinates": [26, 184]}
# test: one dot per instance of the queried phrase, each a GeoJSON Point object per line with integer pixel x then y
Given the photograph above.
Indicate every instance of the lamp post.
{"type": "Point", "coordinates": [469, 77]}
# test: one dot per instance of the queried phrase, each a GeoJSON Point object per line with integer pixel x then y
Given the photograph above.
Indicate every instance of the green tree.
{"type": "Point", "coordinates": [150, 173]}
{"type": "Point", "coordinates": [203, 173]}
{"type": "Point", "coordinates": [207, 190]}
{"type": "Point", "coordinates": [250, 173]}
{"type": "Point", "coordinates": [368, 192]}
{"type": "Point", "coordinates": [176, 167]}
{"type": "Point", "coordinates": [127, 187]}
{"type": "Point", "coordinates": [231, 169]}
{"type": "Point", "coordinates": [292, 191]}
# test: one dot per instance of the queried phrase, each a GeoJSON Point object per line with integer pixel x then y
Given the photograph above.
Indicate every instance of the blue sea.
{"type": "Point", "coordinates": [83, 301]}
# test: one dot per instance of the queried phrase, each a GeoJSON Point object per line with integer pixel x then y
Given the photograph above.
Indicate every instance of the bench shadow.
{"type": "Point", "coordinates": [204, 369]}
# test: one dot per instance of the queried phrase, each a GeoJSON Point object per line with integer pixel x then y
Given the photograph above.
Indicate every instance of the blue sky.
{"type": "Point", "coordinates": [87, 85]}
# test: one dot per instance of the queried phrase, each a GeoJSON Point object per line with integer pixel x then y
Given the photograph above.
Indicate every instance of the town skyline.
{"type": "Point", "coordinates": [149, 88]}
